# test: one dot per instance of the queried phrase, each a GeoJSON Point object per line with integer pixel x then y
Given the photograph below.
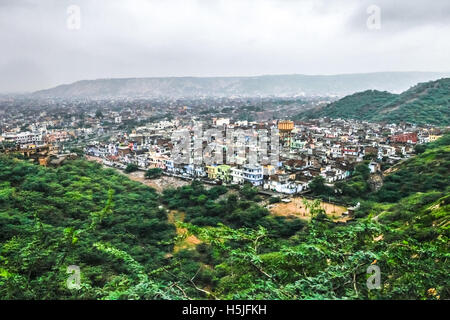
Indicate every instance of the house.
{"type": "Point", "coordinates": [374, 167]}
{"type": "Point", "coordinates": [283, 184]}
{"type": "Point", "coordinates": [269, 170]}
{"type": "Point", "coordinates": [223, 173]}
{"type": "Point", "coordinates": [405, 138]}
{"type": "Point", "coordinates": [221, 121]}
{"type": "Point", "coordinates": [157, 161]}
{"type": "Point", "coordinates": [123, 150]}
{"type": "Point", "coordinates": [297, 144]}
{"type": "Point", "coordinates": [211, 172]}
{"type": "Point", "coordinates": [169, 165]}
{"type": "Point", "coordinates": [237, 175]}
{"type": "Point", "coordinates": [253, 174]}
{"type": "Point", "coordinates": [433, 137]}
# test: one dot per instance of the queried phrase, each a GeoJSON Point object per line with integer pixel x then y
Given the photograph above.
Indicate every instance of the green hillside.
{"type": "Point", "coordinates": [425, 172]}
{"type": "Point", "coordinates": [129, 241]}
{"type": "Point", "coordinates": [78, 214]}
{"type": "Point", "coordinates": [425, 103]}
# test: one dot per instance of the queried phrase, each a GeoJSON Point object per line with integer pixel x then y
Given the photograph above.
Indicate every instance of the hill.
{"type": "Point", "coordinates": [269, 85]}
{"type": "Point", "coordinates": [404, 233]}
{"type": "Point", "coordinates": [119, 233]}
{"type": "Point", "coordinates": [425, 103]}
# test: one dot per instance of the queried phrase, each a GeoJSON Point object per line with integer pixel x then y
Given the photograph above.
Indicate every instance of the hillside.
{"type": "Point", "coordinates": [78, 214]}
{"type": "Point", "coordinates": [119, 233]}
{"type": "Point", "coordinates": [270, 85]}
{"type": "Point", "coordinates": [425, 103]}
{"type": "Point", "coordinates": [425, 172]}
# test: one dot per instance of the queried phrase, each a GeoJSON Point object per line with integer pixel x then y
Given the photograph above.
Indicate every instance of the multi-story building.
{"type": "Point", "coordinates": [253, 173]}
{"type": "Point", "coordinates": [25, 137]}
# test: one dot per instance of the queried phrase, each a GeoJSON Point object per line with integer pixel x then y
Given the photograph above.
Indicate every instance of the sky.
{"type": "Point", "coordinates": [44, 43]}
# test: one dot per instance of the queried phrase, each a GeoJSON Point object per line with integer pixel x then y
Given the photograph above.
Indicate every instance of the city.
{"type": "Point", "coordinates": [221, 159]}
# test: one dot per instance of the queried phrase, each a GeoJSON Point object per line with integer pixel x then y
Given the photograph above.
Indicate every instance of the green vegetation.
{"type": "Point", "coordinates": [357, 186]}
{"type": "Point", "coordinates": [204, 208]}
{"type": "Point", "coordinates": [131, 167]}
{"type": "Point", "coordinates": [348, 191]}
{"type": "Point", "coordinates": [78, 214]}
{"type": "Point", "coordinates": [425, 103]}
{"type": "Point", "coordinates": [361, 106]}
{"type": "Point", "coordinates": [153, 173]}
{"type": "Point", "coordinates": [428, 171]}
{"type": "Point", "coordinates": [99, 114]}
{"type": "Point", "coordinates": [318, 187]}
{"type": "Point", "coordinates": [273, 200]}
{"type": "Point", "coordinates": [120, 234]}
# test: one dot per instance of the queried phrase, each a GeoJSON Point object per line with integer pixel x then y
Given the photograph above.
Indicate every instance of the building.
{"type": "Point", "coordinates": [221, 121]}
{"type": "Point", "coordinates": [25, 137]}
{"type": "Point", "coordinates": [224, 173]}
{"type": "Point", "coordinates": [211, 171]}
{"type": "Point", "coordinates": [237, 175]}
{"type": "Point", "coordinates": [405, 138]}
{"type": "Point", "coordinates": [253, 174]}
{"type": "Point", "coordinates": [285, 128]}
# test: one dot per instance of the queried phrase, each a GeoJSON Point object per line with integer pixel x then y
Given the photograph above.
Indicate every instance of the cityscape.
{"type": "Point", "coordinates": [329, 148]}
{"type": "Point", "coordinates": [222, 159]}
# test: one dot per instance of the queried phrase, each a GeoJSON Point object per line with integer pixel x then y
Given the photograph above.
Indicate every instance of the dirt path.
{"type": "Point", "coordinates": [296, 209]}
{"type": "Point", "coordinates": [188, 242]}
{"type": "Point", "coordinates": [159, 184]}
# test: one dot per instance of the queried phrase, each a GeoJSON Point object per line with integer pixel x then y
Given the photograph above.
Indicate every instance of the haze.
{"type": "Point", "coordinates": [149, 38]}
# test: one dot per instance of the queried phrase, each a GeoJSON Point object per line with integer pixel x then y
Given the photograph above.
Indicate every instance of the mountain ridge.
{"type": "Point", "coordinates": [425, 103]}
{"type": "Point", "coordinates": [265, 85]}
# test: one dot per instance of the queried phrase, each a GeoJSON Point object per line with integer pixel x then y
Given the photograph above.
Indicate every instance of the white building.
{"type": "Point", "coordinates": [25, 137]}
{"type": "Point", "coordinates": [253, 174]}
{"type": "Point", "coordinates": [222, 121]}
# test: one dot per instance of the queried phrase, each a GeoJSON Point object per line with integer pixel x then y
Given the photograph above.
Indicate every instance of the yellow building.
{"type": "Point", "coordinates": [433, 137]}
{"type": "Point", "coordinates": [285, 128]}
{"type": "Point", "coordinates": [221, 172]}
{"type": "Point", "coordinates": [285, 125]}
{"type": "Point", "coordinates": [212, 172]}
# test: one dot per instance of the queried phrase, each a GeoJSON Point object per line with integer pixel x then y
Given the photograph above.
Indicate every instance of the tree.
{"type": "Point", "coordinates": [273, 200]}
{"type": "Point", "coordinates": [363, 170]}
{"type": "Point", "coordinates": [153, 173]}
{"type": "Point", "coordinates": [131, 167]}
{"type": "Point", "coordinates": [99, 114]}
{"type": "Point", "coordinates": [420, 148]}
{"type": "Point", "coordinates": [248, 191]}
{"type": "Point", "coordinates": [78, 151]}
{"type": "Point", "coordinates": [318, 187]}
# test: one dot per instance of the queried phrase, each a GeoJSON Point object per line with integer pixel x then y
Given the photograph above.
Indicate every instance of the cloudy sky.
{"type": "Point", "coordinates": [44, 43]}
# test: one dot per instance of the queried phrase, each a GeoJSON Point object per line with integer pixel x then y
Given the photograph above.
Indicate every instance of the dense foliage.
{"type": "Point", "coordinates": [235, 211]}
{"type": "Point", "coordinates": [78, 214]}
{"type": "Point", "coordinates": [426, 172]}
{"type": "Point", "coordinates": [425, 103]}
{"type": "Point", "coordinates": [153, 173]}
{"type": "Point", "coordinates": [131, 167]}
{"type": "Point", "coordinates": [129, 244]}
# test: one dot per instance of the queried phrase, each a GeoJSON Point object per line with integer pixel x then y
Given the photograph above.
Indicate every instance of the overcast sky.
{"type": "Point", "coordinates": [41, 45]}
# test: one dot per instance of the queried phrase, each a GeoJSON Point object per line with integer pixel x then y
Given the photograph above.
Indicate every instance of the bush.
{"type": "Point", "coordinates": [273, 200]}
{"type": "Point", "coordinates": [131, 167]}
{"type": "Point", "coordinates": [153, 173]}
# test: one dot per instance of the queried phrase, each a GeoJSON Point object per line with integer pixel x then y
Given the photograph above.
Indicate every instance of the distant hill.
{"type": "Point", "coordinates": [269, 85]}
{"type": "Point", "coordinates": [425, 103]}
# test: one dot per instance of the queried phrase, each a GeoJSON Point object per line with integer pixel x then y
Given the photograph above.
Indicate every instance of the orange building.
{"type": "Point", "coordinates": [285, 125]}
{"type": "Point", "coordinates": [285, 128]}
